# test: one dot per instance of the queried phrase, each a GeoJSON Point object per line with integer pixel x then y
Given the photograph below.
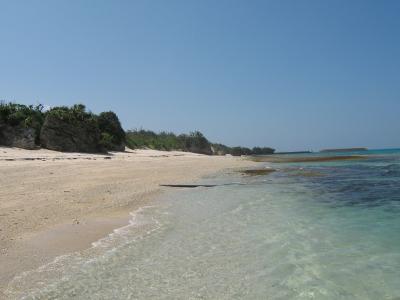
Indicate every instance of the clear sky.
{"type": "Point", "coordinates": [289, 74]}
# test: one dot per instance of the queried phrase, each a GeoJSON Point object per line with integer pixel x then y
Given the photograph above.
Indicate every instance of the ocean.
{"type": "Point", "coordinates": [310, 230]}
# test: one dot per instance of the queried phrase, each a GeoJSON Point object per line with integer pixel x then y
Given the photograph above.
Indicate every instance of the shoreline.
{"type": "Point", "coordinates": [56, 203]}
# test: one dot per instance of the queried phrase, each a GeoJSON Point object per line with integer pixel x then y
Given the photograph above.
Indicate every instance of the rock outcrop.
{"type": "Point", "coordinates": [61, 134]}
{"type": "Point", "coordinates": [17, 136]}
{"type": "Point", "coordinates": [117, 147]}
{"type": "Point", "coordinates": [201, 149]}
{"type": "Point", "coordinates": [112, 134]}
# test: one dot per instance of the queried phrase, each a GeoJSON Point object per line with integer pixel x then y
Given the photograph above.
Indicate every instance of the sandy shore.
{"type": "Point", "coordinates": [54, 203]}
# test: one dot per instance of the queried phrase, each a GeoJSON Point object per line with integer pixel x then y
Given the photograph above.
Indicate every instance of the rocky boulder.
{"type": "Point", "coordinates": [206, 149]}
{"type": "Point", "coordinates": [17, 136]}
{"type": "Point", "coordinates": [69, 135]}
{"type": "Point", "coordinates": [112, 135]}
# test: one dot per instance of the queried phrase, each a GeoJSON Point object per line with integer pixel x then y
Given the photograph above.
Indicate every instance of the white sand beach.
{"type": "Point", "coordinates": [53, 203]}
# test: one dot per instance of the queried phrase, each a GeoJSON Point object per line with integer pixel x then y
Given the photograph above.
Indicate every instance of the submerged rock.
{"type": "Point", "coordinates": [257, 172]}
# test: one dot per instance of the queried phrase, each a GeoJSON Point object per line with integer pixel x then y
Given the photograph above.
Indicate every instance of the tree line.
{"type": "Point", "coordinates": [75, 129]}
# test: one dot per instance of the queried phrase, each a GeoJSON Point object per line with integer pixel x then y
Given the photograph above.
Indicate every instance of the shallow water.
{"type": "Point", "coordinates": [308, 231]}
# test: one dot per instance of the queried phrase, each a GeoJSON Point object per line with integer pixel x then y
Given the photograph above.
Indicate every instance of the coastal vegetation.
{"type": "Point", "coordinates": [221, 149]}
{"type": "Point", "coordinates": [262, 151]}
{"type": "Point", "coordinates": [238, 151]}
{"type": "Point", "coordinates": [140, 138]}
{"type": "Point", "coordinates": [75, 129]}
{"type": "Point", "coordinates": [193, 142]}
{"type": "Point", "coordinates": [21, 115]}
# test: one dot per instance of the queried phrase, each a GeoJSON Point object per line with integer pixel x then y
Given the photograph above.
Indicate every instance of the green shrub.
{"type": "Point", "coordinates": [148, 139]}
{"type": "Point", "coordinates": [238, 151]}
{"type": "Point", "coordinates": [195, 142]}
{"type": "Point", "coordinates": [262, 151]}
{"type": "Point", "coordinates": [106, 140]}
{"type": "Point", "coordinates": [75, 114]}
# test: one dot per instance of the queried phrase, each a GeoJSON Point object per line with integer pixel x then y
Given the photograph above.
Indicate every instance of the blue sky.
{"type": "Point", "coordinates": [289, 74]}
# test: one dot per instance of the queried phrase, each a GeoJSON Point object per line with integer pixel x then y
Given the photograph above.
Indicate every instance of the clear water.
{"type": "Point", "coordinates": [309, 231]}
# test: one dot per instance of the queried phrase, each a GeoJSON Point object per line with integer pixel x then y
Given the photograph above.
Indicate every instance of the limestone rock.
{"type": "Point", "coordinates": [63, 135]}
{"type": "Point", "coordinates": [17, 136]}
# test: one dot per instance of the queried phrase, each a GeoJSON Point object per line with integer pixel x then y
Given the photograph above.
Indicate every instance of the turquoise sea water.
{"type": "Point", "coordinates": [308, 231]}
